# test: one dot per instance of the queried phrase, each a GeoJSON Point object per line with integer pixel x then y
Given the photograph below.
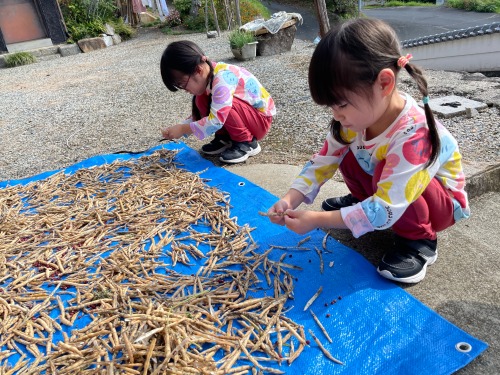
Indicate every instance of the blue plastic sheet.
{"type": "Point", "coordinates": [376, 327]}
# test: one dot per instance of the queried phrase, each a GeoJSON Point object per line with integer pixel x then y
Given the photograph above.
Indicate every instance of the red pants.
{"type": "Point", "coordinates": [243, 122]}
{"type": "Point", "coordinates": [430, 213]}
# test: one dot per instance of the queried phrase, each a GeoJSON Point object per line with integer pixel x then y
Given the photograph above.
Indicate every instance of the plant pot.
{"type": "Point", "coordinates": [246, 52]}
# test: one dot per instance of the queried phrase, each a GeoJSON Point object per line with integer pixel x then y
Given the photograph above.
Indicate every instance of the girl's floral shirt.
{"type": "Point", "coordinates": [405, 148]}
{"type": "Point", "coordinates": [231, 81]}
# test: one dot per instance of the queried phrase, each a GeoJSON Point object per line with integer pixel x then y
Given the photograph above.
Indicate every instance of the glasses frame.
{"type": "Point", "coordinates": [184, 87]}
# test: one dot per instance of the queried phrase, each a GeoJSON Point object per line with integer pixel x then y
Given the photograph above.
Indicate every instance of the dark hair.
{"type": "Point", "coordinates": [181, 58]}
{"type": "Point", "coordinates": [350, 57]}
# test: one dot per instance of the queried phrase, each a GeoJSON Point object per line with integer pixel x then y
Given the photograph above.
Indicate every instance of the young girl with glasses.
{"type": "Point", "coordinates": [228, 102]}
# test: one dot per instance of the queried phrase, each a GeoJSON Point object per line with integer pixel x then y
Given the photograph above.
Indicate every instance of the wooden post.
{"type": "Point", "coordinates": [322, 14]}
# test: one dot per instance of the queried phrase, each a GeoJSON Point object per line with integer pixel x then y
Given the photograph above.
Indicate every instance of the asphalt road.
{"type": "Point", "coordinates": [409, 22]}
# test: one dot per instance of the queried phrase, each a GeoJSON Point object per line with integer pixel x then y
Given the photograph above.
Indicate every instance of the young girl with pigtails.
{"type": "Point", "coordinates": [228, 102]}
{"type": "Point", "coordinates": [402, 167]}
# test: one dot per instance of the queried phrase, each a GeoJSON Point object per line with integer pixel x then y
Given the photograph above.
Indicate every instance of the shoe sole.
{"type": "Point", "coordinates": [253, 152]}
{"type": "Point", "coordinates": [411, 279]}
{"type": "Point", "coordinates": [217, 152]}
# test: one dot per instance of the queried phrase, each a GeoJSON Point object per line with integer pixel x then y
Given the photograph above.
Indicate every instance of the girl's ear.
{"type": "Point", "coordinates": [386, 81]}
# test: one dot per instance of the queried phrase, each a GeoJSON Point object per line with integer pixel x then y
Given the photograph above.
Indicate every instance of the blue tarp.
{"type": "Point", "coordinates": [376, 327]}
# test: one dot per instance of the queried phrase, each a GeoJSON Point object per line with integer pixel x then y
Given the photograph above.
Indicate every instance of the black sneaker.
{"type": "Point", "coordinates": [334, 204]}
{"type": "Point", "coordinates": [216, 146]}
{"type": "Point", "coordinates": [408, 262]}
{"type": "Point", "coordinates": [240, 151]}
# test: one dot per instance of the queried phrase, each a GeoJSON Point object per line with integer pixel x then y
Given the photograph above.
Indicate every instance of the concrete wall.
{"type": "Point", "coordinates": [475, 54]}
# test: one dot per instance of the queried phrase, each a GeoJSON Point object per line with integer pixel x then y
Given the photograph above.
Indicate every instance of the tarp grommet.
{"type": "Point", "coordinates": [241, 183]}
{"type": "Point", "coordinates": [463, 347]}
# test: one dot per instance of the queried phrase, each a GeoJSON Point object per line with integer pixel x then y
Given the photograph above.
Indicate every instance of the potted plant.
{"type": "Point", "coordinates": [243, 44]}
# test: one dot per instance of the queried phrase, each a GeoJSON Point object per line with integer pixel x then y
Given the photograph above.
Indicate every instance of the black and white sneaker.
{"type": "Point", "coordinates": [408, 262]}
{"type": "Point", "coordinates": [240, 151]}
{"type": "Point", "coordinates": [334, 204]}
{"type": "Point", "coordinates": [216, 146]}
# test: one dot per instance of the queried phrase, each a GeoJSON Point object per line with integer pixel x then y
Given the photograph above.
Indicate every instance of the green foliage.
{"type": "Point", "coordinates": [173, 19]}
{"type": "Point", "coordinates": [399, 3]}
{"type": "Point", "coordinates": [485, 6]}
{"type": "Point", "coordinates": [196, 24]}
{"type": "Point", "coordinates": [343, 9]}
{"type": "Point", "coordinates": [238, 39]}
{"type": "Point", "coordinates": [86, 18]}
{"type": "Point", "coordinates": [18, 59]}
{"type": "Point", "coordinates": [252, 9]}
{"type": "Point", "coordinates": [183, 6]}
{"type": "Point", "coordinates": [125, 31]}
{"type": "Point", "coordinates": [249, 10]}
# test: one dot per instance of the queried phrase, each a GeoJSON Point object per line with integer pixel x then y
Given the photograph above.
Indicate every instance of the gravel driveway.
{"type": "Point", "coordinates": [55, 113]}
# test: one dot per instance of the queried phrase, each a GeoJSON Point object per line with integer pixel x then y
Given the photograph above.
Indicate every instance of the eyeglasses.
{"type": "Point", "coordinates": [183, 87]}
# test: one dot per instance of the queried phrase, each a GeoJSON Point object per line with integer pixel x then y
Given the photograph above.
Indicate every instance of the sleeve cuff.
{"type": "Point", "coordinates": [355, 219]}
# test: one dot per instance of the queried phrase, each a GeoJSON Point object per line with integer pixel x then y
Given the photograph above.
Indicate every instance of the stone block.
{"type": "Point", "coordinates": [91, 44]}
{"type": "Point", "coordinates": [117, 39]}
{"type": "Point", "coordinates": [69, 50]}
{"type": "Point", "coordinates": [109, 29]}
{"type": "Point", "coordinates": [108, 39]}
{"type": "Point", "coordinates": [449, 106]}
{"type": "Point", "coordinates": [274, 44]}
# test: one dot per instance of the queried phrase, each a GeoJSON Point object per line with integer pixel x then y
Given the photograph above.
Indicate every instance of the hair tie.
{"type": "Point", "coordinates": [425, 100]}
{"type": "Point", "coordinates": [403, 60]}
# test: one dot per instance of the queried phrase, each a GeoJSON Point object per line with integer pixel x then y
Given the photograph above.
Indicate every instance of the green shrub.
{"type": "Point", "coordinates": [183, 6]}
{"type": "Point", "coordinates": [18, 59]}
{"type": "Point", "coordinates": [486, 6]}
{"type": "Point", "coordinates": [173, 19]}
{"type": "Point", "coordinates": [343, 9]}
{"type": "Point", "coordinates": [125, 31]}
{"type": "Point", "coordinates": [86, 18]}
{"type": "Point", "coordinates": [238, 39]}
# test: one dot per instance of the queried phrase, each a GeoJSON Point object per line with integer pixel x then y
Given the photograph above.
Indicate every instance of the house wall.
{"type": "Point", "coordinates": [51, 18]}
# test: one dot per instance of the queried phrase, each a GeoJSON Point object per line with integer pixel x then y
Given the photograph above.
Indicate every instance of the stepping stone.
{"type": "Point", "coordinates": [449, 106]}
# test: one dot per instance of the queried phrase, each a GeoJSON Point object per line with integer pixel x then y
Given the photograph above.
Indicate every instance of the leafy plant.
{"type": "Point", "coordinates": [238, 39]}
{"type": "Point", "coordinates": [125, 31]}
{"type": "Point", "coordinates": [173, 19]}
{"type": "Point", "coordinates": [86, 18]}
{"type": "Point", "coordinates": [19, 58]}
{"type": "Point", "coordinates": [486, 6]}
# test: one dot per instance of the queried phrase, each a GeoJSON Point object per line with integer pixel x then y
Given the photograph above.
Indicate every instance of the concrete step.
{"type": "Point", "coordinates": [47, 53]}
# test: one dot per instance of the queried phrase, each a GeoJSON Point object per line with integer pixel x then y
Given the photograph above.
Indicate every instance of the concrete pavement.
{"type": "Point", "coordinates": [463, 286]}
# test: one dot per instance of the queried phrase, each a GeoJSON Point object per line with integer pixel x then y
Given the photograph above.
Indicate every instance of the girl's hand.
{"type": "Point", "coordinates": [277, 212]}
{"type": "Point", "coordinates": [176, 131]}
{"type": "Point", "coordinates": [300, 221]}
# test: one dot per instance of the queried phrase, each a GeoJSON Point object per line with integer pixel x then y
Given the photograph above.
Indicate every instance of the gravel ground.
{"type": "Point", "coordinates": [58, 112]}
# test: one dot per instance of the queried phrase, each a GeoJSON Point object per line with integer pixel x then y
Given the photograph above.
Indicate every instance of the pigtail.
{"type": "Point", "coordinates": [336, 130]}
{"type": "Point", "coordinates": [418, 76]}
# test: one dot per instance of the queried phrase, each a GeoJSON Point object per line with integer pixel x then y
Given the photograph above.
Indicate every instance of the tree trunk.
{"type": "Point", "coordinates": [238, 14]}
{"type": "Point", "coordinates": [322, 14]}
{"type": "Point", "coordinates": [229, 18]}
{"type": "Point", "coordinates": [215, 17]}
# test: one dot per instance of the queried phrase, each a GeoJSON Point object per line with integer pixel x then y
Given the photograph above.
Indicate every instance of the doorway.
{"type": "Point", "coordinates": [20, 21]}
